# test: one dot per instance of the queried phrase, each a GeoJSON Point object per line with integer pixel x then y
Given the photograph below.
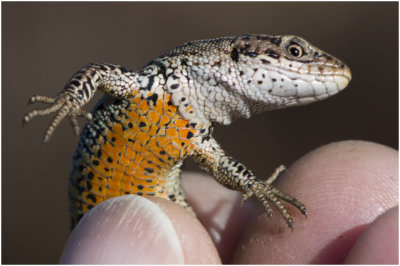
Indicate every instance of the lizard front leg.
{"type": "Point", "coordinates": [234, 175]}
{"type": "Point", "coordinates": [111, 79]}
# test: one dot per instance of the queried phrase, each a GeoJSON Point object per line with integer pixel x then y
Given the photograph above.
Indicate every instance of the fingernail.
{"type": "Point", "coordinates": [124, 230]}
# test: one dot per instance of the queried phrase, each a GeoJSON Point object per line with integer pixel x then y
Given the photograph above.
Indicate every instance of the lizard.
{"type": "Point", "coordinates": [149, 121]}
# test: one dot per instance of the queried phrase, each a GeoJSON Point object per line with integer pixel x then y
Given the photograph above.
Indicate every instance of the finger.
{"type": "Point", "coordinates": [379, 244]}
{"type": "Point", "coordinates": [197, 245]}
{"type": "Point", "coordinates": [220, 211]}
{"type": "Point", "coordinates": [345, 186]}
{"type": "Point", "coordinates": [134, 230]}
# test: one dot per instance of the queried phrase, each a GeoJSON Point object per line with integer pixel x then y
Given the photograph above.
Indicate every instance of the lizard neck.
{"type": "Point", "coordinates": [221, 101]}
{"type": "Point", "coordinates": [208, 96]}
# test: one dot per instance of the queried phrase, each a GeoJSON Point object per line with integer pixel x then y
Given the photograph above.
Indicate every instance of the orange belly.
{"type": "Point", "coordinates": [132, 153]}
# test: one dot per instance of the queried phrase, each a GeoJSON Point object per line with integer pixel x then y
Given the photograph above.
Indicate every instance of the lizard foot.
{"type": "Point", "coordinates": [63, 105]}
{"type": "Point", "coordinates": [266, 194]}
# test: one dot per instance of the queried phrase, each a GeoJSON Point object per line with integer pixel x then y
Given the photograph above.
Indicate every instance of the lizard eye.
{"type": "Point", "coordinates": [295, 50]}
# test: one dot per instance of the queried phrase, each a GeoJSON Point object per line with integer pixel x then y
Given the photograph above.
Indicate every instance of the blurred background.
{"type": "Point", "coordinates": [45, 43]}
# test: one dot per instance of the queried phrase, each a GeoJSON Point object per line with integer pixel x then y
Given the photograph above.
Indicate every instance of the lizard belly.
{"type": "Point", "coordinates": [128, 148]}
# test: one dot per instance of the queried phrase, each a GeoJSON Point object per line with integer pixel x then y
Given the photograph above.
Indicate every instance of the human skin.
{"type": "Point", "coordinates": [350, 189]}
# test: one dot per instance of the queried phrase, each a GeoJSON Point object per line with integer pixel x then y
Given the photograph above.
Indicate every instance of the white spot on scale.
{"type": "Point", "coordinates": [168, 71]}
{"type": "Point", "coordinates": [144, 82]}
{"type": "Point", "coordinates": [155, 83]}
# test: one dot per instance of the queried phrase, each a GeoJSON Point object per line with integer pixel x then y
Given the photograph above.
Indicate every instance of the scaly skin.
{"type": "Point", "coordinates": [150, 121]}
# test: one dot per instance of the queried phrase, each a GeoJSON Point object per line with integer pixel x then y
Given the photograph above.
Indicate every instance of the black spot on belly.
{"type": "Point", "coordinates": [91, 197]}
{"type": "Point", "coordinates": [149, 170]}
{"type": "Point", "coordinates": [153, 98]}
{"type": "Point", "coordinates": [189, 135]}
{"type": "Point", "coordinates": [89, 185]}
{"type": "Point", "coordinates": [90, 175]}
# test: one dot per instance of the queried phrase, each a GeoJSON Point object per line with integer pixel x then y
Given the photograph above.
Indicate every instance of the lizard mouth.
{"type": "Point", "coordinates": [310, 85]}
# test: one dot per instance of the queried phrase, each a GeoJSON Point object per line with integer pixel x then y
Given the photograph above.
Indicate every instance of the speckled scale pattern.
{"type": "Point", "coordinates": [130, 152]}
{"type": "Point", "coordinates": [150, 121]}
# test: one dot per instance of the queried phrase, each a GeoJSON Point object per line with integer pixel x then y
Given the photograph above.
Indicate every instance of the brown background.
{"type": "Point", "coordinates": [44, 43]}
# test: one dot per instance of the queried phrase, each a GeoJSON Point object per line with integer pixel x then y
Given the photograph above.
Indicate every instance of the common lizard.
{"type": "Point", "coordinates": [150, 121]}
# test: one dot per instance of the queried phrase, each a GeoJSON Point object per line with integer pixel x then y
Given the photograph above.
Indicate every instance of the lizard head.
{"type": "Point", "coordinates": [282, 71]}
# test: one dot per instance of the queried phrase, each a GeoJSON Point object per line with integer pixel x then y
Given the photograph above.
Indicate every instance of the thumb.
{"type": "Point", "coordinates": [135, 230]}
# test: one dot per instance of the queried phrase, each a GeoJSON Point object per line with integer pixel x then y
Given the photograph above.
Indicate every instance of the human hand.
{"type": "Point", "coordinates": [345, 187]}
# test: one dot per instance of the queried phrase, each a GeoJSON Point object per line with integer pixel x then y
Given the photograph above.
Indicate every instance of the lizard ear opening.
{"type": "Point", "coordinates": [235, 55]}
